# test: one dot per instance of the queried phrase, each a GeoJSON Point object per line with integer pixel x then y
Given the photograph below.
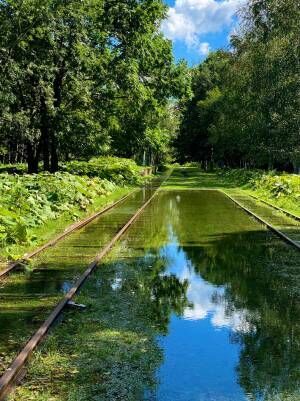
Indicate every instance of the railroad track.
{"type": "Point", "coordinates": [279, 233]}
{"type": "Point", "coordinates": [286, 212]}
{"type": "Point", "coordinates": [16, 370]}
{"type": "Point", "coordinates": [12, 266]}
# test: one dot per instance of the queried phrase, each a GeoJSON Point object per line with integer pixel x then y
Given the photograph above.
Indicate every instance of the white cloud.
{"type": "Point", "coordinates": [204, 48]}
{"type": "Point", "coordinates": [188, 20]}
{"type": "Point", "coordinates": [209, 301]}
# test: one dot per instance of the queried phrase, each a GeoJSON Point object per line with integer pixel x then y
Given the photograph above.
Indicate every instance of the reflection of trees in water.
{"type": "Point", "coordinates": [168, 295]}
{"type": "Point", "coordinates": [135, 289]}
{"type": "Point", "coordinates": [259, 277]}
{"type": "Point", "coordinates": [159, 295]}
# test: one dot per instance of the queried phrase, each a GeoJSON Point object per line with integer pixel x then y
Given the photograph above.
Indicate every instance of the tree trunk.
{"type": "Point", "coordinates": [32, 159]}
{"type": "Point", "coordinates": [46, 154]}
{"type": "Point", "coordinates": [45, 135]}
{"type": "Point", "coordinates": [57, 87]}
{"type": "Point", "coordinates": [54, 156]}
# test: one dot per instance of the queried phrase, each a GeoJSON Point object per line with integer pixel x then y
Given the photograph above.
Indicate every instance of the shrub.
{"type": "Point", "coordinates": [28, 201]}
{"type": "Point", "coordinates": [118, 170]}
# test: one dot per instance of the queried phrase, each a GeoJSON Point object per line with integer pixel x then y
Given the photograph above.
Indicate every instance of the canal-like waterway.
{"type": "Point", "coordinates": [27, 296]}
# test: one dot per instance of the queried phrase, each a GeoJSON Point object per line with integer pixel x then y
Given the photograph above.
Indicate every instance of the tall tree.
{"type": "Point", "coordinates": [78, 78]}
{"type": "Point", "coordinates": [249, 114]}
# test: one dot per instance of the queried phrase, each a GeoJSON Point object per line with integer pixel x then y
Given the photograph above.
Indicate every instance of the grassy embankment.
{"type": "Point", "coordinates": [282, 190]}
{"type": "Point", "coordinates": [35, 208]}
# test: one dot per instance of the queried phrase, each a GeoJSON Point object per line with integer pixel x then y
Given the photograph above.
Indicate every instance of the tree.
{"type": "Point", "coordinates": [81, 78]}
{"type": "Point", "coordinates": [245, 106]}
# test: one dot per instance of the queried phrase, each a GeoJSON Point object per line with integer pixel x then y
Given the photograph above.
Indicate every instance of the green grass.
{"type": "Point", "coordinates": [34, 208]}
{"type": "Point", "coordinates": [194, 178]}
{"type": "Point", "coordinates": [24, 226]}
{"type": "Point", "coordinates": [109, 351]}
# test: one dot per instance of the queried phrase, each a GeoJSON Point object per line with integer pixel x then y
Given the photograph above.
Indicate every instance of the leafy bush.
{"type": "Point", "coordinates": [118, 170]}
{"type": "Point", "coordinates": [28, 201]}
{"type": "Point", "coordinates": [283, 188]}
{"type": "Point", "coordinates": [284, 185]}
{"type": "Point", "coordinates": [13, 168]}
{"type": "Point", "coordinates": [240, 177]}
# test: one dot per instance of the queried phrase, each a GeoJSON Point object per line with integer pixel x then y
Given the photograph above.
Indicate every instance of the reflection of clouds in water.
{"type": "Point", "coordinates": [209, 301]}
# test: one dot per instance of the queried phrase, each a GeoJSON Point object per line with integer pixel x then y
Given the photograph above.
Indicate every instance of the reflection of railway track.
{"type": "Point", "coordinates": [282, 235]}
{"type": "Point", "coordinates": [12, 266]}
{"type": "Point", "coordinates": [16, 370]}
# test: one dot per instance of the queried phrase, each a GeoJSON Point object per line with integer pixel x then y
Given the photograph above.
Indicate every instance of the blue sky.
{"type": "Point", "coordinates": [197, 27]}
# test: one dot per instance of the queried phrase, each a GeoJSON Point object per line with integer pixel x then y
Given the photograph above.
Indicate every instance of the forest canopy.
{"type": "Point", "coordinates": [82, 79]}
{"type": "Point", "coordinates": [245, 108]}
{"type": "Point", "coordinates": [85, 78]}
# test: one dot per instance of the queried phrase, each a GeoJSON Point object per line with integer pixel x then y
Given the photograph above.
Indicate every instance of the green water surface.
{"type": "Point", "coordinates": [196, 302]}
{"type": "Point", "coordinates": [28, 296]}
{"type": "Point", "coordinates": [223, 295]}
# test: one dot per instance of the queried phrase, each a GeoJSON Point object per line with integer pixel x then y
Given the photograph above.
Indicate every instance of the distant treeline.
{"type": "Point", "coordinates": [245, 108]}
{"type": "Point", "coordinates": [84, 78]}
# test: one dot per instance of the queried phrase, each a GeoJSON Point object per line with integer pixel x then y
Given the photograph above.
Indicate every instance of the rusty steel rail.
{"type": "Point", "coordinates": [10, 376]}
{"type": "Point", "coordinates": [74, 227]}
{"type": "Point", "coordinates": [289, 214]}
{"type": "Point", "coordinates": [264, 222]}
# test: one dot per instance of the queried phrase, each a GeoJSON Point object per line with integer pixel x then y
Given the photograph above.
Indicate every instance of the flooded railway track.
{"type": "Point", "coordinates": [15, 264]}
{"type": "Point", "coordinates": [278, 232]}
{"type": "Point", "coordinates": [15, 369]}
{"type": "Point", "coordinates": [196, 226]}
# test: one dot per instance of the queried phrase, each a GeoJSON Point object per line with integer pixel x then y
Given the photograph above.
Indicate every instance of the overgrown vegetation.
{"type": "Point", "coordinates": [115, 169]}
{"type": "Point", "coordinates": [244, 111]}
{"type": "Point", "coordinates": [280, 189]}
{"type": "Point", "coordinates": [29, 201]}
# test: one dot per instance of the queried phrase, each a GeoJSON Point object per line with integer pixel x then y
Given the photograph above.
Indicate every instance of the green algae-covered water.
{"type": "Point", "coordinates": [28, 296]}
{"type": "Point", "coordinates": [223, 297]}
{"type": "Point", "coordinates": [197, 302]}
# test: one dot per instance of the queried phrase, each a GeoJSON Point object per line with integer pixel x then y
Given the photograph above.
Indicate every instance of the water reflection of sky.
{"type": "Point", "coordinates": [200, 358]}
{"type": "Point", "coordinates": [208, 301]}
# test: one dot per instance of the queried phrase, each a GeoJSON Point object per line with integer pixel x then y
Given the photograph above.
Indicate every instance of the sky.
{"type": "Point", "coordinates": [197, 27]}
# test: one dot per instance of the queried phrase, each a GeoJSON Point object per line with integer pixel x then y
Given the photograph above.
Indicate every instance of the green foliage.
{"type": "Point", "coordinates": [245, 105]}
{"type": "Point", "coordinates": [278, 186]}
{"type": "Point", "coordinates": [80, 79]}
{"type": "Point", "coordinates": [282, 189]}
{"type": "Point", "coordinates": [28, 201]}
{"type": "Point", "coordinates": [115, 169]}
{"type": "Point", "coordinates": [17, 168]}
